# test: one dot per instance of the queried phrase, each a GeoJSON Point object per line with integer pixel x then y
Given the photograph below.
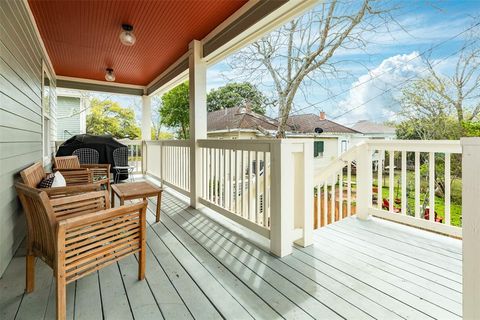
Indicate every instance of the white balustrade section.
{"type": "Point", "coordinates": [335, 190]}
{"type": "Point", "coordinates": [418, 172]}
{"type": "Point", "coordinates": [410, 168]}
{"type": "Point", "coordinates": [169, 162]}
{"type": "Point", "coordinates": [397, 180]}
{"type": "Point", "coordinates": [236, 180]}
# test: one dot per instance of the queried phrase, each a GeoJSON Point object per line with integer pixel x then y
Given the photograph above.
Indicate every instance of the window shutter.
{"type": "Point", "coordinates": [317, 148]}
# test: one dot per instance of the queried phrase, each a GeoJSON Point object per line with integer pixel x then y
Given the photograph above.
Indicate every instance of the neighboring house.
{"type": "Point", "coordinates": [375, 130]}
{"type": "Point", "coordinates": [71, 115]}
{"type": "Point", "coordinates": [331, 139]}
{"type": "Point", "coordinates": [239, 123]}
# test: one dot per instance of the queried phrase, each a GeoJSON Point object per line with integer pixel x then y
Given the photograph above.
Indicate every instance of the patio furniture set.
{"type": "Point", "coordinates": [72, 224]}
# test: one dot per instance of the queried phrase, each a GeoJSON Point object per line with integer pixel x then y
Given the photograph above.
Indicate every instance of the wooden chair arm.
{"type": "Point", "coordinates": [94, 240]}
{"type": "Point", "coordinates": [71, 190]}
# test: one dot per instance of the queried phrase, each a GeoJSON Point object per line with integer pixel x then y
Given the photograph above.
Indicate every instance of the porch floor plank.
{"type": "Point", "coordinates": [199, 269]}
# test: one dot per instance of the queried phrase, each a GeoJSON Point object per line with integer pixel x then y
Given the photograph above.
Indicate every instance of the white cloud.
{"type": "Point", "coordinates": [373, 95]}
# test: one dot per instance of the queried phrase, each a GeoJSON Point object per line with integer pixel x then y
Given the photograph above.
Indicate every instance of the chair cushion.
{"type": "Point", "coordinates": [47, 182]}
{"type": "Point", "coordinates": [59, 180]}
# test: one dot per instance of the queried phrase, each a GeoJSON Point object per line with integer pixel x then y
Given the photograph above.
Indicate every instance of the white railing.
{"type": "Point", "coordinates": [335, 190]}
{"type": "Point", "coordinates": [236, 180]}
{"type": "Point", "coordinates": [410, 182]}
{"type": "Point", "coordinates": [169, 161]}
{"type": "Point", "coordinates": [417, 191]}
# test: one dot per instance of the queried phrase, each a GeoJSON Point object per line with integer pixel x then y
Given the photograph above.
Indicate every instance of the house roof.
{"type": "Point", "coordinates": [365, 126]}
{"type": "Point", "coordinates": [239, 118]}
{"type": "Point", "coordinates": [306, 123]}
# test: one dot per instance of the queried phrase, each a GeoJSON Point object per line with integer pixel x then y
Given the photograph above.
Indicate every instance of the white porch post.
{"type": "Point", "coordinates": [198, 116]}
{"type": "Point", "coordinates": [471, 227]}
{"type": "Point", "coordinates": [364, 181]}
{"type": "Point", "coordinates": [146, 117]}
{"type": "Point", "coordinates": [291, 204]}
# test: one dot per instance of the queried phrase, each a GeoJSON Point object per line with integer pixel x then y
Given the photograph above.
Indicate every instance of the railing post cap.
{"type": "Point", "coordinates": [470, 141]}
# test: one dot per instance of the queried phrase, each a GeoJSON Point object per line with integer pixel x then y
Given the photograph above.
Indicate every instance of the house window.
{"type": "Point", "coordinates": [318, 148]}
{"type": "Point", "coordinates": [344, 146]}
{"type": "Point", "coordinates": [46, 114]}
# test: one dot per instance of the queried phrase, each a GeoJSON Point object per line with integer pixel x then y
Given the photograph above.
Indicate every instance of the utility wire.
{"type": "Point", "coordinates": [393, 68]}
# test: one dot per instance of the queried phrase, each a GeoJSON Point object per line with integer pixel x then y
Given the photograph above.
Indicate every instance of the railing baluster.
{"type": "Point", "coordinates": [264, 199]}
{"type": "Point", "coordinates": [349, 188]}
{"type": "Point", "coordinates": [381, 156]}
{"type": "Point", "coordinates": [242, 175]}
{"type": "Point", "coordinates": [340, 195]}
{"type": "Point", "coordinates": [447, 189]}
{"type": "Point", "coordinates": [257, 187]}
{"type": "Point", "coordinates": [417, 184]}
{"type": "Point", "coordinates": [391, 181]}
{"type": "Point", "coordinates": [250, 187]}
{"type": "Point", "coordinates": [325, 202]}
{"type": "Point", "coordinates": [404, 183]}
{"type": "Point", "coordinates": [237, 204]}
{"type": "Point", "coordinates": [332, 199]}
{"type": "Point", "coordinates": [431, 185]}
{"type": "Point", "coordinates": [318, 206]}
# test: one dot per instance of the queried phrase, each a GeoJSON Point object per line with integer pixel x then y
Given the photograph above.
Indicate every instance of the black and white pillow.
{"type": "Point", "coordinates": [47, 182]}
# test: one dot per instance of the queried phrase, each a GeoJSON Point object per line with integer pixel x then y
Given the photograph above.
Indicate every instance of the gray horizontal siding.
{"type": "Point", "coordinates": [20, 117]}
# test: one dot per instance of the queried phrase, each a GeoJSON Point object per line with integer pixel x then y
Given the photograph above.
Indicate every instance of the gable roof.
{"type": "Point", "coordinates": [239, 118]}
{"type": "Point", "coordinates": [366, 126]}
{"type": "Point", "coordinates": [306, 123]}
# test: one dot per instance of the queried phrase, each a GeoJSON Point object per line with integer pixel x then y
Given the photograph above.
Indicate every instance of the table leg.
{"type": "Point", "coordinates": [122, 201]}
{"type": "Point", "coordinates": [113, 199]}
{"type": "Point", "coordinates": [159, 203]}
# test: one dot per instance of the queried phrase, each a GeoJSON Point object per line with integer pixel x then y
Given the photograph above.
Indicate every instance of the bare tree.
{"type": "Point", "coordinates": [437, 96]}
{"type": "Point", "coordinates": [302, 51]}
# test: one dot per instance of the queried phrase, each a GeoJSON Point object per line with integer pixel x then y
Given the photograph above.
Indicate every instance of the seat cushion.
{"type": "Point", "coordinates": [47, 182]}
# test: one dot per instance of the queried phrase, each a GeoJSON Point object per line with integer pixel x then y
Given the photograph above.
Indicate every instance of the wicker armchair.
{"type": "Point", "coordinates": [80, 234]}
{"type": "Point", "coordinates": [69, 165]}
{"type": "Point", "coordinates": [77, 182]}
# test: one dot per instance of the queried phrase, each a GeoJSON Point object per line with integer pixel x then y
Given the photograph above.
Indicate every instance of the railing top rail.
{"type": "Point", "coordinates": [248, 145]}
{"type": "Point", "coordinates": [130, 142]}
{"type": "Point", "coordinates": [174, 143]}
{"type": "Point", "coordinates": [451, 146]}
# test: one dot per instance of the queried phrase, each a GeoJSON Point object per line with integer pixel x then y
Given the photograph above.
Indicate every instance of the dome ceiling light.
{"type": "Point", "coordinates": [110, 75]}
{"type": "Point", "coordinates": [126, 36]}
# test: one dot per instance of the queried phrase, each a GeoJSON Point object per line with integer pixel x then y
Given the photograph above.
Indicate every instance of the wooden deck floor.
{"type": "Point", "coordinates": [198, 269]}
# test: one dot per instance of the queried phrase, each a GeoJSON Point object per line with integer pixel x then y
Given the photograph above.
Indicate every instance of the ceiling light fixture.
{"type": "Point", "coordinates": [126, 36]}
{"type": "Point", "coordinates": [109, 75]}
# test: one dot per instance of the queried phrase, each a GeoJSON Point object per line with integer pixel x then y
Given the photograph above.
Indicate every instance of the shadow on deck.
{"type": "Point", "coordinates": [198, 269]}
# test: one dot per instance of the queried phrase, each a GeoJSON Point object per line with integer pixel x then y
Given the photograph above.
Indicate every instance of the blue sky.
{"type": "Point", "coordinates": [396, 55]}
{"type": "Point", "coordinates": [392, 57]}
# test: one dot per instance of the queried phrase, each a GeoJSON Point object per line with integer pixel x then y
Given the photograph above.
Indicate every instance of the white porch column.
{"type": "Point", "coordinates": [198, 116]}
{"type": "Point", "coordinates": [291, 203]}
{"type": "Point", "coordinates": [146, 118]}
{"type": "Point", "coordinates": [364, 181]}
{"type": "Point", "coordinates": [471, 227]}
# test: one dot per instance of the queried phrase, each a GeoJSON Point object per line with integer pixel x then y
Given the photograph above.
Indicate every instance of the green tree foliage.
{"type": "Point", "coordinates": [174, 105]}
{"type": "Point", "coordinates": [174, 110]}
{"type": "Point", "coordinates": [161, 135]}
{"type": "Point", "coordinates": [237, 94]}
{"type": "Point", "coordinates": [108, 117]}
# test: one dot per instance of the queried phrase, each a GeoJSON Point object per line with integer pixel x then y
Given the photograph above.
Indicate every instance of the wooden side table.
{"type": "Point", "coordinates": [137, 190]}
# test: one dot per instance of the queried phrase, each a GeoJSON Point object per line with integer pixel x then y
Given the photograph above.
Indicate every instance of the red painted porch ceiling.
{"type": "Point", "coordinates": [82, 36]}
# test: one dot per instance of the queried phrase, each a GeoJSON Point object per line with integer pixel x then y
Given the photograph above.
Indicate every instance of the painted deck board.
{"type": "Point", "coordinates": [199, 269]}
